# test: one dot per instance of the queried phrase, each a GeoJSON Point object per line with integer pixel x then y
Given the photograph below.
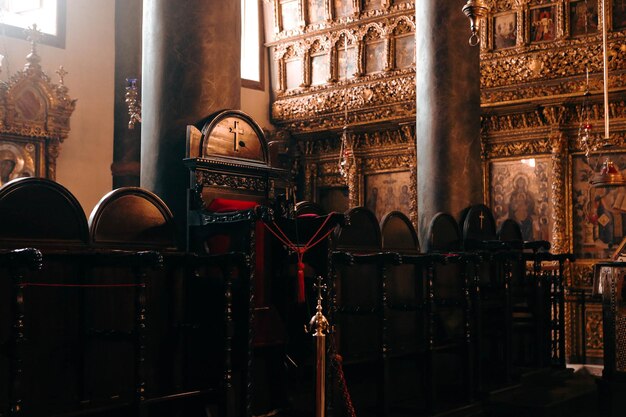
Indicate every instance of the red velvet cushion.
{"type": "Point", "coordinates": [224, 205]}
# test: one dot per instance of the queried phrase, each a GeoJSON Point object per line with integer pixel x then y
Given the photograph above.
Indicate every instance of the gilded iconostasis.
{"type": "Point", "coordinates": [343, 88]}
{"type": "Point", "coordinates": [538, 58]}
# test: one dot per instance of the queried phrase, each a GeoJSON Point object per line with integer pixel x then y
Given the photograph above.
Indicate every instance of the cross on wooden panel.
{"type": "Point", "coordinates": [236, 131]}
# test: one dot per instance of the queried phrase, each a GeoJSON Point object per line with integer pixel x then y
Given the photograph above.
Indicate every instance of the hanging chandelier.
{"type": "Point", "coordinates": [475, 10]}
{"type": "Point", "coordinates": [609, 174]}
{"type": "Point", "coordinates": [346, 153]}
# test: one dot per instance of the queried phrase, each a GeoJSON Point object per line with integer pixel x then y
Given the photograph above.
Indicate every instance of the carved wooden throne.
{"type": "Point", "coordinates": [232, 189]}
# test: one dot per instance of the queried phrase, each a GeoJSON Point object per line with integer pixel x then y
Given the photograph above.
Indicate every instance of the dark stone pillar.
{"type": "Point", "coordinates": [127, 142]}
{"type": "Point", "coordinates": [191, 54]}
{"type": "Point", "coordinates": [449, 171]}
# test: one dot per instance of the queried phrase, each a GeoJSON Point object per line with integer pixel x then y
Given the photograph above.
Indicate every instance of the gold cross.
{"type": "Point", "coordinates": [481, 217]}
{"type": "Point", "coordinates": [62, 73]}
{"type": "Point", "coordinates": [34, 35]}
{"type": "Point", "coordinates": [319, 287]}
{"type": "Point", "coordinates": [236, 131]}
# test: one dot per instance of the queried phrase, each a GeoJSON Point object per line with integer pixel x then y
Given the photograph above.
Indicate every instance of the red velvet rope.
{"type": "Point", "coordinates": [300, 250]}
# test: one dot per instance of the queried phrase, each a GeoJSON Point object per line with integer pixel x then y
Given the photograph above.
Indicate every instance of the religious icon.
{"type": "Point", "coordinates": [520, 191]}
{"type": "Point", "coordinates": [522, 205]}
{"type": "Point", "coordinates": [371, 5]}
{"type": "Point", "coordinates": [374, 58]}
{"type": "Point", "coordinates": [343, 8]}
{"type": "Point", "coordinates": [583, 17]}
{"type": "Point", "coordinates": [387, 192]}
{"type": "Point", "coordinates": [619, 14]}
{"type": "Point", "coordinates": [15, 162]}
{"type": "Point", "coordinates": [542, 24]}
{"type": "Point", "coordinates": [289, 13]}
{"type": "Point", "coordinates": [320, 70]}
{"type": "Point", "coordinates": [293, 69]}
{"type": "Point", "coordinates": [599, 214]}
{"type": "Point", "coordinates": [316, 11]}
{"type": "Point", "coordinates": [505, 30]}
{"type": "Point", "coordinates": [405, 51]}
{"type": "Point", "coordinates": [346, 62]}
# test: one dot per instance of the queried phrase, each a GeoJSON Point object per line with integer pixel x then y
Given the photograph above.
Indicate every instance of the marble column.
{"type": "Point", "coordinates": [191, 69]}
{"type": "Point", "coordinates": [449, 172]}
{"type": "Point", "coordinates": [127, 142]}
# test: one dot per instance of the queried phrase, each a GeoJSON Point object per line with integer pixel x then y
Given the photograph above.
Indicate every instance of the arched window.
{"type": "Point", "coordinates": [251, 46]}
{"type": "Point", "coordinates": [48, 15]}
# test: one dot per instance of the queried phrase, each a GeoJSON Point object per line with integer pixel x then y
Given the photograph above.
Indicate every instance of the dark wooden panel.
{"type": "Point", "coordinates": [398, 233]}
{"type": "Point", "coordinates": [132, 217]}
{"type": "Point", "coordinates": [42, 211]}
{"type": "Point", "coordinates": [362, 231]}
{"type": "Point", "coordinates": [443, 234]}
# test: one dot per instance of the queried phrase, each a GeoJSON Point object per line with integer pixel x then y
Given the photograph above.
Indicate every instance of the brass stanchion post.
{"type": "Point", "coordinates": [319, 326]}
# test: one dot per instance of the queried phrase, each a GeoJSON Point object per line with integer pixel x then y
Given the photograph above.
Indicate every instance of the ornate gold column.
{"type": "Point", "coordinates": [558, 148]}
{"type": "Point", "coordinates": [449, 174]}
{"type": "Point", "coordinates": [353, 168]}
{"type": "Point", "coordinates": [191, 62]}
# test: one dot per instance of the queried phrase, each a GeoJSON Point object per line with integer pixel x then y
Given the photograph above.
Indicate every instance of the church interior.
{"type": "Point", "coordinates": [313, 208]}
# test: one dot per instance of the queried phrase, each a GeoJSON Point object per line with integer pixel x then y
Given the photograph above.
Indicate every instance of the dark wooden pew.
{"type": "Point", "coordinates": [357, 312]}
{"type": "Point", "coordinates": [14, 264]}
{"type": "Point", "coordinates": [193, 352]}
{"type": "Point", "coordinates": [526, 306]}
{"type": "Point", "coordinates": [493, 312]}
{"type": "Point", "coordinates": [50, 371]}
{"type": "Point", "coordinates": [404, 376]}
{"type": "Point", "coordinates": [451, 328]}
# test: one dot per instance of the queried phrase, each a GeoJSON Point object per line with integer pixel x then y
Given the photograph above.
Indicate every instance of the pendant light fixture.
{"type": "Point", "coordinates": [609, 174]}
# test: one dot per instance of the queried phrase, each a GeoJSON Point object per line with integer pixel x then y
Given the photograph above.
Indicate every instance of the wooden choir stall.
{"type": "Point", "coordinates": [106, 316]}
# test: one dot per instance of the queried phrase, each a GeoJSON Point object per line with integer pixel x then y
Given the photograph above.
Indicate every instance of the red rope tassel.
{"type": "Point", "coordinates": [300, 282]}
{"type": "Point", "coordinates": [280, 235]}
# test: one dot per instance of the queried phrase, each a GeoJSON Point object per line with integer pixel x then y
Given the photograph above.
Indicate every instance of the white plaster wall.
{"type": "Point", "coordinates": [89, 57]}
{"type": "Point", "coordinates": [86, 155]}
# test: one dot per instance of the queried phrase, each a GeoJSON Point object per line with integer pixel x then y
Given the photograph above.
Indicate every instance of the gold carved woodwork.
{"type": "Point", "coordinates": [306, 26]}
{"type": "Point", "coordinates": [375, 152]}
{"type": "Point", "coordinates": [557, 194]}
{"type": "Point", "coordinates": [34, 121]}
{"type": "Point", "coordinates": [516, 148]}
{"type": "Point", "coordinates": [377, 99]}
{"type": "Point", "coordinates": [532, 105]}
{"type": "Point", "coordinates": [582, 274]}
{"type": "Point", "coordinates": [381, 96]}
{"type": "Point", "coordinates": [594, 342]}
{"type": "Point", "coordinates": [523, 72]}
{"type": "Point", "coordinates": [231, 181]}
